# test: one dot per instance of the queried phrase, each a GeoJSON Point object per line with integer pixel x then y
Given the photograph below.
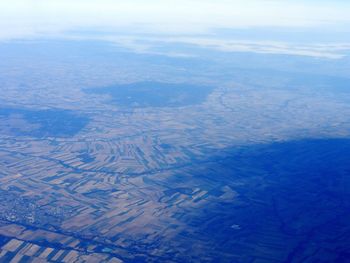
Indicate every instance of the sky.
{"type": "Point", "coordinates": [31, 19]}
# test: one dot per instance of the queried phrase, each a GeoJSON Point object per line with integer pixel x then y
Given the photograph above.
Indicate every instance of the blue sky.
{"type": "Point", "coordinates": [201, 22]}
{"type": "Point", "coordinates": [31, 17]}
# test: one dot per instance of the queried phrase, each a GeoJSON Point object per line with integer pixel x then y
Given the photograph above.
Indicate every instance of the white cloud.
{"type": "Point", "coordinates": [147, 45]}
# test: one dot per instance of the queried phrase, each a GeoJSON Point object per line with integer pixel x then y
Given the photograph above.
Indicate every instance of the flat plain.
{"type": "Point", "coordinates": [140, 158]}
